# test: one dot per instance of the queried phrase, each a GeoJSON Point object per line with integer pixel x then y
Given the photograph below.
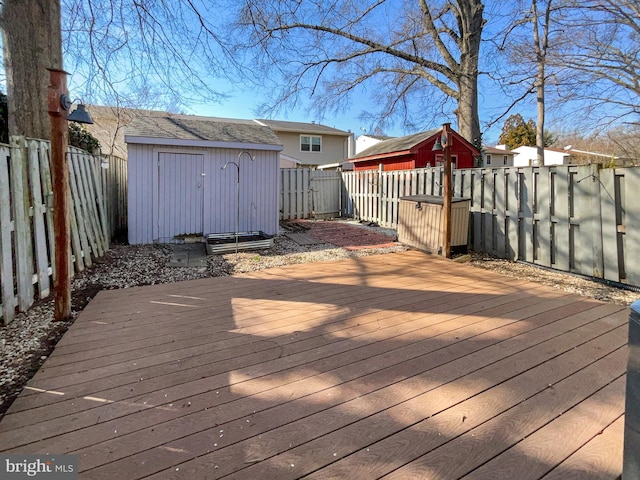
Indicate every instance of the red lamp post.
{"type": "Point", "coordinates": [61, 195]}
{"type": "Point", "coordinates": [59, 104]}
{"type": "Point", "coordinates": [444, 144]}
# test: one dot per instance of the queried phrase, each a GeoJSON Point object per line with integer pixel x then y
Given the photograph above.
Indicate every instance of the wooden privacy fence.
{"type": "Point", "coordinates": [578, 219]}
{"type": "Point", "coordinates": [306, 193]}
{"type": "Point", "coordinates": [26, 220]}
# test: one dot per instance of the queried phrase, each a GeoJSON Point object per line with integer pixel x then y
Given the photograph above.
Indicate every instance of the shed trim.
{"type": "Point", "coordinates": [200, 143]}
{"type": "Point", "coordinates": [380, 156]}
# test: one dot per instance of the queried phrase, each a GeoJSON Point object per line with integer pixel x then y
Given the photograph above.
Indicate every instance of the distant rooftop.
{"type": "Point", "coordinates": [286, 126]}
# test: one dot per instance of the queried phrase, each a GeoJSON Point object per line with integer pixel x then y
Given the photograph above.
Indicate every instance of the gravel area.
{"type": "Point", "coordinates": [30, 338]}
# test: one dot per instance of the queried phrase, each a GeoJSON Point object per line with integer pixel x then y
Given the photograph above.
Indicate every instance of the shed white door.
{"type": "Point", "coordinates": [181, 183]}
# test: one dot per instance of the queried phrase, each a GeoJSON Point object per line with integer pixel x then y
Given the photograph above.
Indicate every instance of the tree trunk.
{"type": "Point", "coordinates": [540, 44]}
{"type": "Point", "coordinates": [467, 111]}
{"type": "Point", "coordinates": [471, 24]}
{"type": "Point", "coordinates": [540, 125]}
{"type": "Point", "coordinates": [32, 43]}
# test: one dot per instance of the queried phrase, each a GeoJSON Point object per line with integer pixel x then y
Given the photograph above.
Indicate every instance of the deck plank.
{"type": "Point", "coordinates": [599, 459]}
{"type": "Point", "coordinates": [359, 368]}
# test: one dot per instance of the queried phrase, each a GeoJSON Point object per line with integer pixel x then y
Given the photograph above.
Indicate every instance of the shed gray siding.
{"type": "Point", "coordinates": [259, 191]}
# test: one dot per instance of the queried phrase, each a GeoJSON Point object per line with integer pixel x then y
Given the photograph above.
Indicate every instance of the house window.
{"type": "Point", "coordinates": [505, 159]}
{"type": "Point", "coordinates": [310, 143]}
{"type": "Point", "coordinates": [488, 159]}
{"type": "Point", "coordinates": [440, 161]}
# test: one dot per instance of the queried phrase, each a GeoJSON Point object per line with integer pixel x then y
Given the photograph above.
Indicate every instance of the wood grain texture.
{"type": "Point", "coordinates": [403, 364]}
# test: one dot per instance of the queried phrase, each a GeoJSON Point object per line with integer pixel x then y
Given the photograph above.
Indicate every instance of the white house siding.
{"type": "Point", "coordinates": [528, 156]}
{"type": "Point", "coordinates": [259, 192]}
{"type": "Point", "coordinates": [334, 148]}
{"type": "Point", "coordinates": [364, 141]}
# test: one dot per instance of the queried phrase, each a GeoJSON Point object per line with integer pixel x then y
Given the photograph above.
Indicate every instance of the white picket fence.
{"type": "Point", "coordinates": [26, 219]}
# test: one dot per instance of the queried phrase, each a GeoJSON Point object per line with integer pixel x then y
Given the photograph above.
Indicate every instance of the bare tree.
{"type": "Point", "coordinates": [125, 53]}
{"type": "Point", "coordinates": [605, 53]}
{"type": "Point", "coordinates": [533, 35]}
{"type": "Point", "coordinates": [159, 54]}
{"type": "Point", "coordinates": [415, 56]}
{"type": "Point", "coordinates": [31, 42]}
{"type": "Point", "coordinates": [541, 28]}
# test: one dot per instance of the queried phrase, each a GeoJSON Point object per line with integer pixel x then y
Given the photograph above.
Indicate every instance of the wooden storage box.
{"type": "Point", "coordinates": [420, 223]}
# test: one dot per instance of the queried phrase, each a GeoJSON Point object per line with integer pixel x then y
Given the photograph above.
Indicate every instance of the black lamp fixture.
{"type": "Point", "coordinates": [440, 144]}
{"type": "Point", "coordinates": [79, 115]}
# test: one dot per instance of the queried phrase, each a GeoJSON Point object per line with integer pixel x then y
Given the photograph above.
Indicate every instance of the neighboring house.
{"type": "Point", "coordinates": [312, 144]}
{"type": "Point", "coordinates": [176, 184]}
{"type": "Point", "coordinates": [528, 156]}
{"type": "Point", "coordinates": [365, 141]}
{"type": "Point", "coordinates": [497, 156]}
{"type": "Point", "coordinates": [415, 151]}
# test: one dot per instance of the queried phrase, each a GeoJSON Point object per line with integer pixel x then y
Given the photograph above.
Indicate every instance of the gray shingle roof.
{"type": "Point", "coordinates": [302, 127]}
{"type": "Point", "coordinates": [397, 144]}
{"type": "Point", "coordinates": [498, 151]}
{"type": "Point", "coordinates": [187, 127]}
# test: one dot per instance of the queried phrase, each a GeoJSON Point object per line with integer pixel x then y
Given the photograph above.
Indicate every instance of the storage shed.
{"type": "Point", "coordinates": [177, 187]}
{"type": "Point", "coordinates": [415, 151]}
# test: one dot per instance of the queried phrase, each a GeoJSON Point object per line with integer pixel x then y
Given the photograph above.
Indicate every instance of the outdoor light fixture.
{"type": "Point", "coordinates": [440, 144]}
{"type": "Point", "coordinates": [80, 114]}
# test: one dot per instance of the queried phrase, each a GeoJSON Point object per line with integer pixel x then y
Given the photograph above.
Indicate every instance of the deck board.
{"type": "Point", "coordinates": [397, 366]}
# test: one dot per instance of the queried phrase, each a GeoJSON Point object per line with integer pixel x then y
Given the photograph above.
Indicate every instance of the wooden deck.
{"type": "Point", "coordinates": [397, 366]}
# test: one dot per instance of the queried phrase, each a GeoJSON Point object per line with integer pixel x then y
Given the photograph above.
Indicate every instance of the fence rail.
{"type": "Point", "coordinates": [578, 219]}
{"type": "Point", "coordinates": [26, 220]}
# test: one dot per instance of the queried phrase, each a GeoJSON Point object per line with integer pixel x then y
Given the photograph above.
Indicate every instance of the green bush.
{"type": "Point", "coordinates": [80, 137]}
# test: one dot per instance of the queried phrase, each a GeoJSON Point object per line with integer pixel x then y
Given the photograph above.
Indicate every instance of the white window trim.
{"type": "Point", "coordinates": [311, 137]}
{"type": "Point", "coordinates": [440, 160]}
{"type": "Point", "coordinates": [488, 158]}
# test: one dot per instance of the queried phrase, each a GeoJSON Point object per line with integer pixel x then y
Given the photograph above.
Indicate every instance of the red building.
{"type": "Point", "coordinates": [415, 151]}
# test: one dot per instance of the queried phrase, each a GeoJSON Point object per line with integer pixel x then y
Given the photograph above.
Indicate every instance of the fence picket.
{"type": "Point", "coordinates": [499, 212]}
{"type": "Point", "coordinates": [543, 217]}
{"type": "Point", "coordinates": [22, 223]}
{"type": "Point", "coordinates": [39, 210]}
{"type": "Point", "coordinates": [7, 296]}
{"type": "Point", "coordinates": [608, 210]}
{"type": "Point", "coordinates": [512, 220]}
{"type": "Point", "coordinates": [631, 225]}
{"type": "Point", "coordinates": [79, 240]}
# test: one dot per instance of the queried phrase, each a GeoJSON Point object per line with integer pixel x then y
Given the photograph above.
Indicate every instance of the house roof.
{"type": "Point", "coordinates": [396, 144]}
{"type": "Point", "coordinates": [498, 151]}
{"type": "Point", "coordinates": [187, 130]}
{"type": "Point", "coordinates": [301, 127]}
{"type": "Point", "coordinates": [376, 137]}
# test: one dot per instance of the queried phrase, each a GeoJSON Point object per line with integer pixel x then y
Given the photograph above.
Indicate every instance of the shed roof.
{"type": "Point", "coordinates": [397, 144]}
{"type": "Point", "coordinates": [187, 130]}
{"type": "Point", "coordinates": [301, 127]}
